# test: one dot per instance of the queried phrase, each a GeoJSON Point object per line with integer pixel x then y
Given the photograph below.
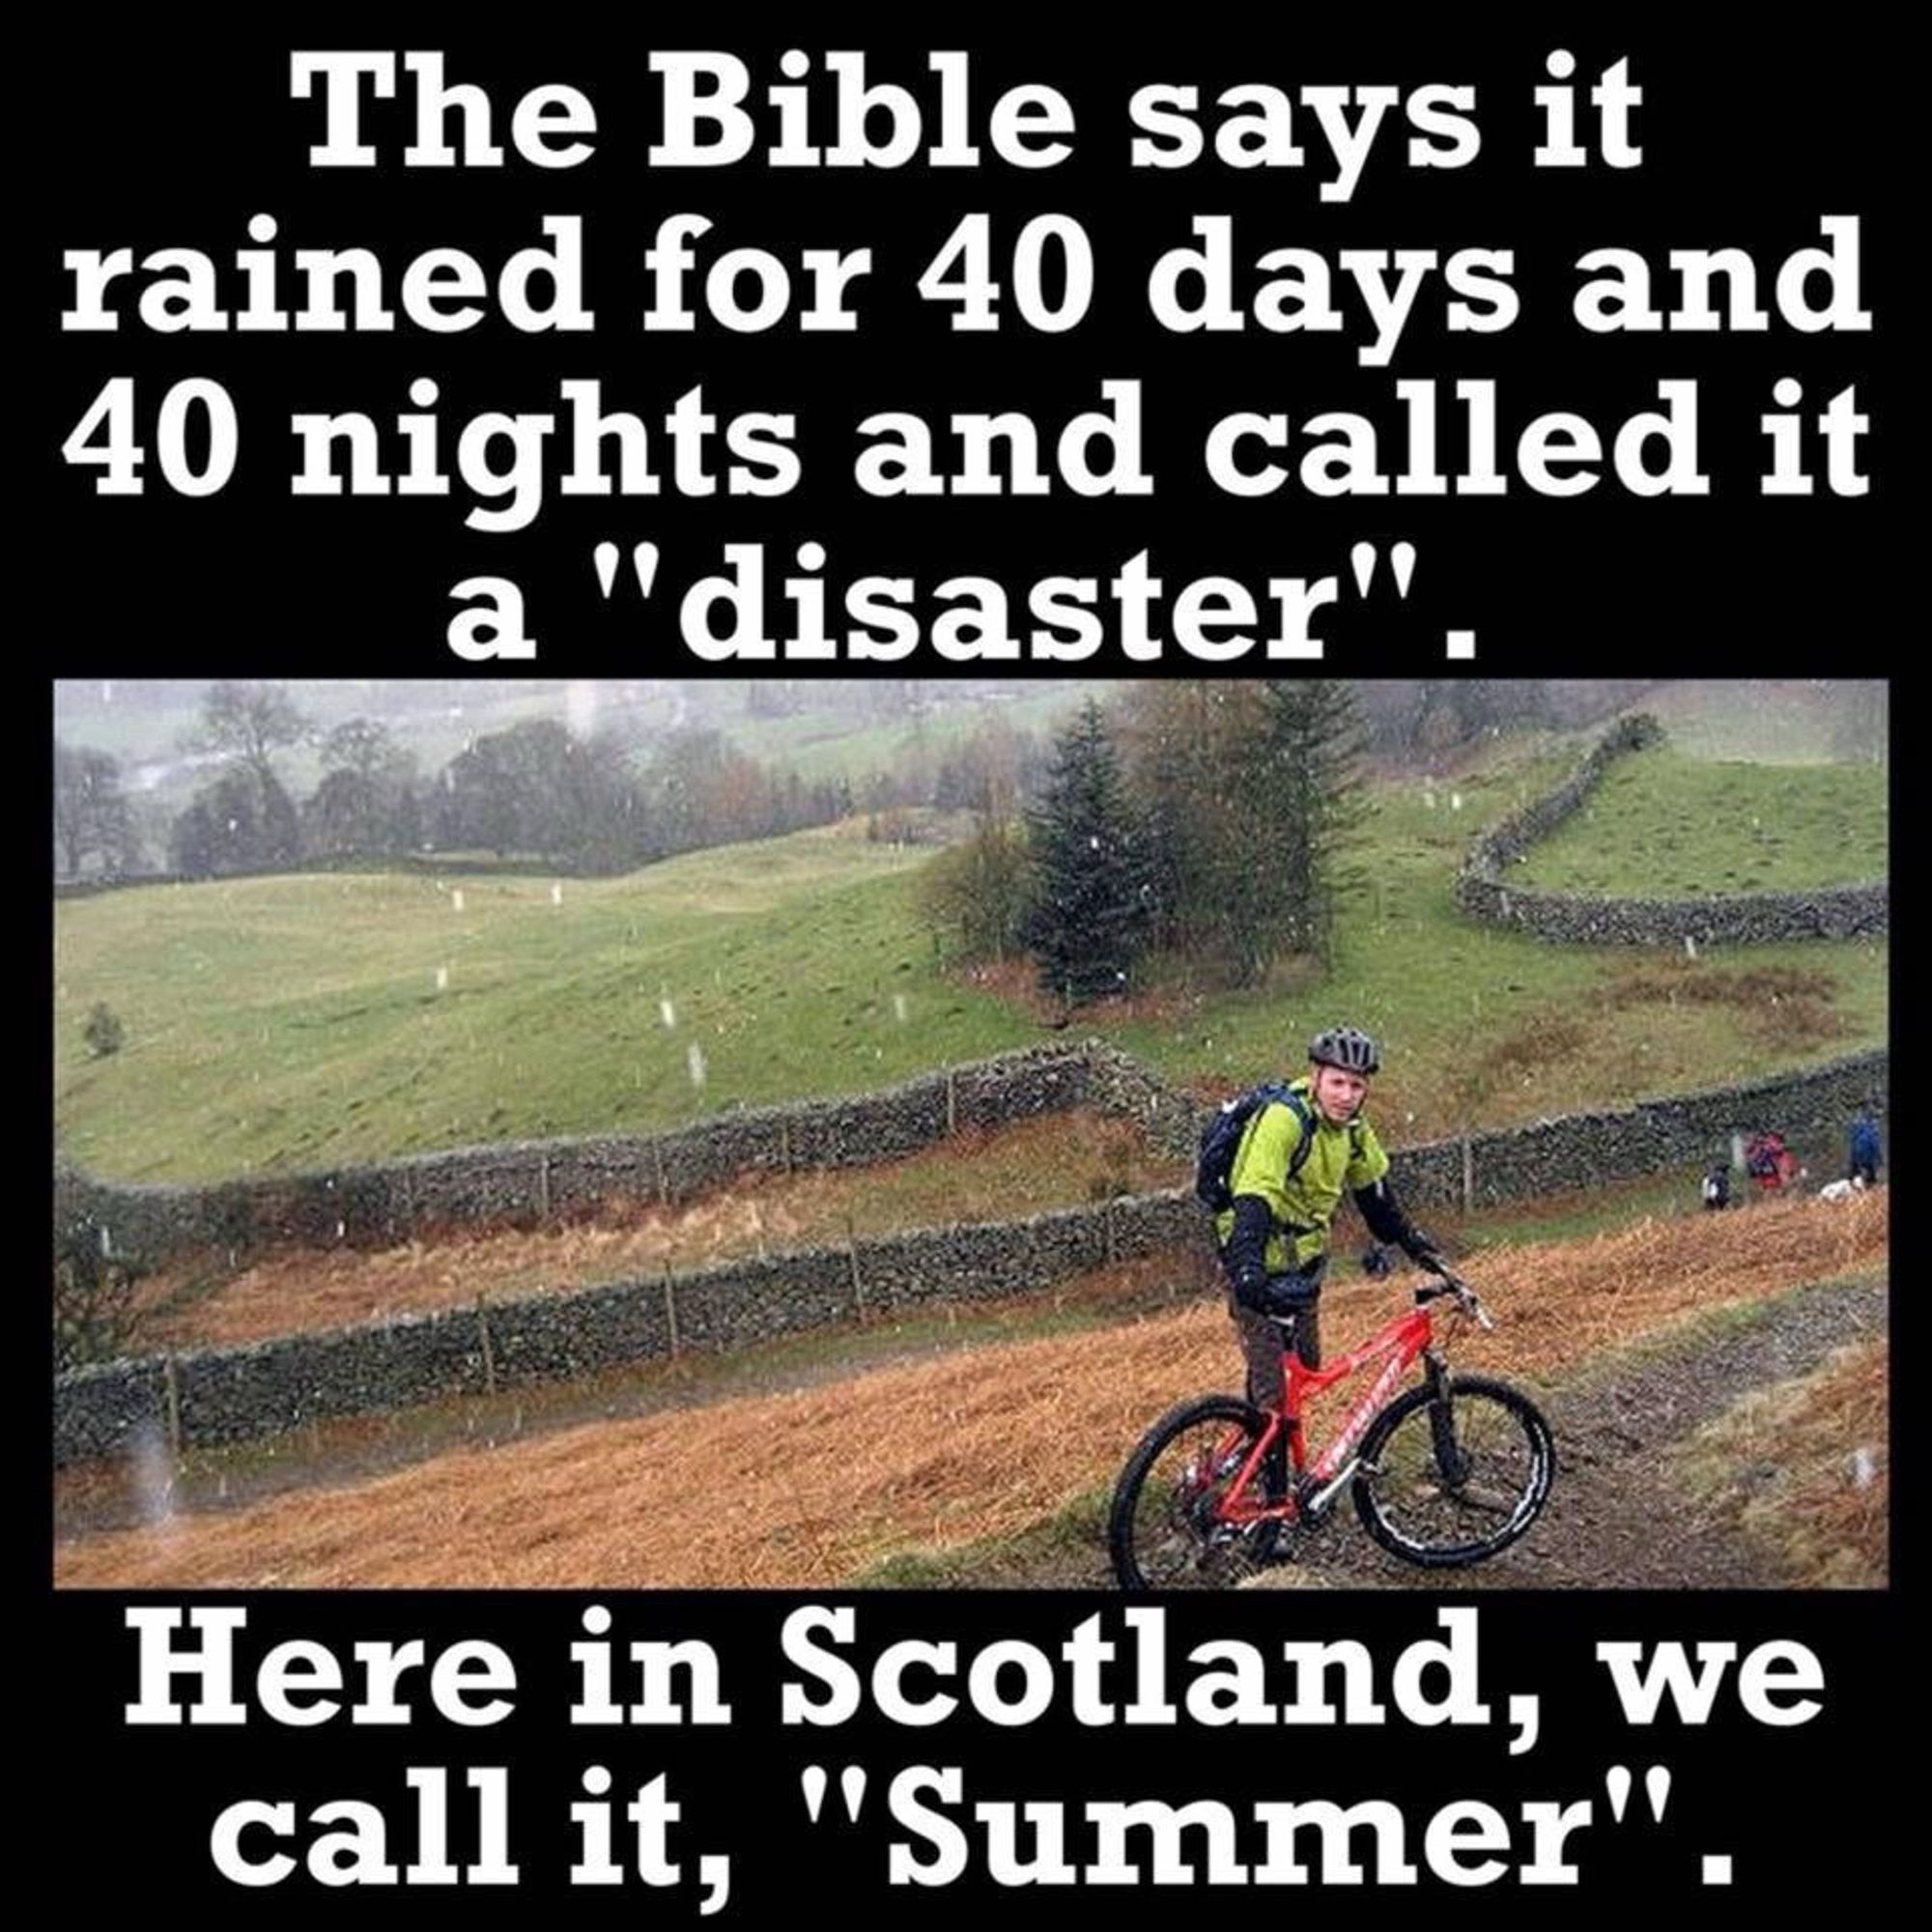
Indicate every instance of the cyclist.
{"type": "Point", "coordinates": [1274, 1240]}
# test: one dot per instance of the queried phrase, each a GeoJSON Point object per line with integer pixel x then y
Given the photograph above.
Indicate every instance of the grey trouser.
{"type": "Point", "coordinates": [1262, 1340]}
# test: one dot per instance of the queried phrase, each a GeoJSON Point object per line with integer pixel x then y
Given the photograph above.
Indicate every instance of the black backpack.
{"type": "Point", "coordinates": [1222, 1136]}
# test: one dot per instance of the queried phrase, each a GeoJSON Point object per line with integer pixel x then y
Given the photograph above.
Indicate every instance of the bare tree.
{"type": "Point", "coordinates": [248, 722]}
{"type": "Point", "coordinates": [90, 809]}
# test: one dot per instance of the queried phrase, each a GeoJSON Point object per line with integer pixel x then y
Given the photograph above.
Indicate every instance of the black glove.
{"type": "Point", "coordinates": [1376, 1261]}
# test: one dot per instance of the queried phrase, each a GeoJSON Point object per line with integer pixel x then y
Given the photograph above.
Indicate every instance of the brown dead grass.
{"type": "Point", "coordinates": [805, 1489]}
{"type": "Point", "coordinates": [1510, 1060]}
{"type": "Point", "coordinates": [1060, 1161]}
{"type": "Point", "coordinates": [1016, 982]}
{"type": "Point", "coordinates": [1805, 1469]}
{"type": "Point", "coordinates": [1783, 1006]}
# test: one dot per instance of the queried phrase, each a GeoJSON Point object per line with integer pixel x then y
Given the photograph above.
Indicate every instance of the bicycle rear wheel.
{"type": "Point", "coordinates": [1163, 1530]}
{"type": "Point", "coordinates": [1450, 1481]}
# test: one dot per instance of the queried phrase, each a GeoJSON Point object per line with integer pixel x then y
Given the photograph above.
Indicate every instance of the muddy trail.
{"type": "Point", "coordinates": [1001, 1453]}
{"type": "Point", "coordinates": [1615, 1518]}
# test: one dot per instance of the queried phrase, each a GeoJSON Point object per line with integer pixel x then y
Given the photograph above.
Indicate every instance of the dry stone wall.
{"type": "Point", "coordinates": [221, 1395]}
{"type": "Point", "coordinates": [218, 1395]}
{"type": "Point", "coordinates": [532, 1181]}
{"type": "Point", "coordinates": [1484, 891]}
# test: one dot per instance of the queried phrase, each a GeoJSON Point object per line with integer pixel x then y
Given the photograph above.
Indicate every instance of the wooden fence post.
{"type": "Point", "coordinates": [852, 1261]}
{"type": "Point", "coordinates": [172, 1382]}
{"type": "Point", "coordinates": [488, 1354]}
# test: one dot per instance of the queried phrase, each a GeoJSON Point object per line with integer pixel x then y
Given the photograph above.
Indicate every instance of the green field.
{"type": "Point", "coordinates": [823, 743]}
{"type": "Point", "coordinates": [1481, 1027]}
{"type": "Point", "coordinates": [298, 1022]}
{"type": "Point", "coordinates": [1667, 826]}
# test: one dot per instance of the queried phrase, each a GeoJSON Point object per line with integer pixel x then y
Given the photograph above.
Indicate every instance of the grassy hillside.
{"type": "Point", "coordinates": [822, 741]}
{"type": "Point", "coordinates": [1481, 1027]}
{"type": "Point", "coordinates": [296, 1022]}
{"type": "Point", "coordinates": [1673, 826]}
{"type": "Point", "coordinates": [971, 1447]}
{"type": "Point", "coordinates": [299, 1021]}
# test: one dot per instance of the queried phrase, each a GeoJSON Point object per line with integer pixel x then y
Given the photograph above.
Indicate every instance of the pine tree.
{"type": "Point", "coordinates": [1308, 789]}
{"type": "Point", "coordinates": [1090, 904]}
{"type": "Point", "coordinates": [1198, 756]}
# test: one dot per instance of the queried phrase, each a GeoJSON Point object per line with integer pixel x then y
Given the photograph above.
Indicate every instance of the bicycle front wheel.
{"type": "Point", "coordinates": [1166, 1528]}
{"type": "Point", "coordinates": [1449, 1479]}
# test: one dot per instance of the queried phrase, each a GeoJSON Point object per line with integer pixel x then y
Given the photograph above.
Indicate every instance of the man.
{"type": "Point", "coordinates": [1274, 1240]}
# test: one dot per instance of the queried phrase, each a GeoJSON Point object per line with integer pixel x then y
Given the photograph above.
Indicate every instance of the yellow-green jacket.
{"type": "Point", "coordinates": [1340, 1160]}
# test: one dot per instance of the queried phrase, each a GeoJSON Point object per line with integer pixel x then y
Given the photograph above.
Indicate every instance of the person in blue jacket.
{"type": "Point", "coordinates": [1861, 1154]}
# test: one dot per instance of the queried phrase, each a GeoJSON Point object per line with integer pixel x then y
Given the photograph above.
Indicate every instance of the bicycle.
{"type": "Point", "coordinates": [1447, 1473]}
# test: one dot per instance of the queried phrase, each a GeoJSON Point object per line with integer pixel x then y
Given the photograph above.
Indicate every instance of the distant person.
{"type": "Point", "coordinates": [1770, 1163]}
{"type": "Point", "coordinates": [1717, 1187]}
{"type": "Point", "coordinates": [1861, 1152]}
{"type": "Point", "coordinates": [1297, 1157]}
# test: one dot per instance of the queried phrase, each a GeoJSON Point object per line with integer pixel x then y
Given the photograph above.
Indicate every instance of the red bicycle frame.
{"type": "Point", "coordinates": [1399, 1344]}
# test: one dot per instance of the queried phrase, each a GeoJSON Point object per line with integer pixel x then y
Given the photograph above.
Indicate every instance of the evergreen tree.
{"type": "Point", "coordinates": [1308, 788]}
{"type": "Point", "coordinates": [1194, 747]}
{"type": "Point", "coordinates": [1090, 905]}
{"type": "Point", "coordinates": [1248, 793]}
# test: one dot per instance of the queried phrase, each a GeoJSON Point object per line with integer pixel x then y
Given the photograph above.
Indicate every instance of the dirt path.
{"type": "Point", "coordinates": [1614, 1520]}
{"type": "Point", "coordinates": [808, 1487]}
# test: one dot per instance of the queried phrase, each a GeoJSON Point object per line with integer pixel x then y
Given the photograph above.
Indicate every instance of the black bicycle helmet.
{"type": "Point", "coordinates": [1346, 1047]}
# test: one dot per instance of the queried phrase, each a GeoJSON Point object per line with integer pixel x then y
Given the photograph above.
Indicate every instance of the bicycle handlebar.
{"type": "Point", "coordinates": [1453, 1284]}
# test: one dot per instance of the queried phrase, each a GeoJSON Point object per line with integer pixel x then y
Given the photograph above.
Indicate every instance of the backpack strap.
{"type": "Point", "coordinates": [1298, 1107]}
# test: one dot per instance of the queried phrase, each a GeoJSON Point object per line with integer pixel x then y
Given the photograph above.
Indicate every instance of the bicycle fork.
{"type": "Point", "coordinates": [1451, 1460]}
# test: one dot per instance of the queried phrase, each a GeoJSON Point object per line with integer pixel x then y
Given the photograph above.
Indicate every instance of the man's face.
{"type": "Point", "coordinates": [1339, 1093]}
